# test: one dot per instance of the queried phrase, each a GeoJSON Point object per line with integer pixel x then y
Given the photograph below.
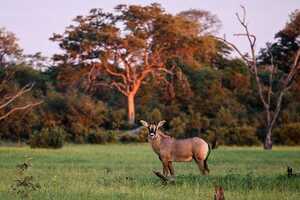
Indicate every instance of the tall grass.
{"type": "Point", "coordinates": [125, 172]}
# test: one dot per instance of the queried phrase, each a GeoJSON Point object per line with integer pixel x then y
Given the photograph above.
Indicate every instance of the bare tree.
{"type": "Point", "coordinates": [265, 92]}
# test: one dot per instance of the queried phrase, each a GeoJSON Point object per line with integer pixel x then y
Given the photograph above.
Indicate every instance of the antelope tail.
{"type": "Point", "coordinates": [211, 146]}
{"type": "Point", "coordinates": [214, 143]}
{"type": "Point", "coordinates": [205, 161]}
{"type": "Point", "coordinates": [209, 150]}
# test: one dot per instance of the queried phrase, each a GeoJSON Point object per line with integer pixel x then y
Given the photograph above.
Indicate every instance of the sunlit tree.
{"type": "Point", "coordinates": [122, 50]}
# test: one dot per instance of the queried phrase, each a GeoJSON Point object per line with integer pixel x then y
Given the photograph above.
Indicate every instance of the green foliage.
{"type": "Point", "coordinates": [288, 134]}
{"type": "Point", "coordinates": [178, 126]}
{"type": "Point", "coordinates": [243, 135]}
{"type": "Point", "coordinates": [78, 113]}
{"type": "Point", "coordinates": [118, 118]}
{"type": "Point", "coordinates": [225, 118]}
{"type": "Point", "coordinates": [9, 48]}
{"type": "Point", "coordinates": [48, 138]}
{"type": "Point", "coordinates": [26, 74]}
{"type": "Point", "coordinates": [155, 115]}
{"type": "Point", "coordinates": [285, 46]}
{"type": "Point", "coordinates": [208, 91]}
{"type": "Point", "coordinates": [128, 138]}
{"type": "Point", "coordinates": [101, 137]}
{"type": "Point", "coordinates": [143, 135]}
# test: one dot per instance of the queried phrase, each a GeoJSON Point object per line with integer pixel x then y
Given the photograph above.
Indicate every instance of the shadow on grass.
{"type": "Point", "coordinates": [242, 182]}
{"type": "Point", "coordinates": [232, 182]}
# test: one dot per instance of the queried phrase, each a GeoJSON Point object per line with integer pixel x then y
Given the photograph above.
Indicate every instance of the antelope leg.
{"type": "Point", "coordinates": [171, 169]}
{"type": "Point", "coordinates": [201, 166]}
{"type": "Point", "coordinates": [165, 168]}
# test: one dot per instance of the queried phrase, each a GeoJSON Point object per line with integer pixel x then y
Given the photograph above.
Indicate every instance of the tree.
{"type": "Point", "coordinates": [10, 51]}
{"type": "Point", "coordinates": [267, 93]}
{"type": "Point", "coordinates": [9, 48]}
{"type": "Point", "coordinates": [208, 24]}
{"type": "Point", "coordinates": [122, 50]}
{"type": "Point", "coordinates": [287, 42]}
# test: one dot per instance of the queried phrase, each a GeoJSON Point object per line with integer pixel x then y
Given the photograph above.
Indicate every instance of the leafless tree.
{"type": "Point", "coordinates": [265, 92]}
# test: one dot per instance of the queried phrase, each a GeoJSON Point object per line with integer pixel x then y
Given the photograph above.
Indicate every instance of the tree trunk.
{"type": "Point", "coordinates": [268, 141]}
{"type": "Point", "coordinates": [131, 109]}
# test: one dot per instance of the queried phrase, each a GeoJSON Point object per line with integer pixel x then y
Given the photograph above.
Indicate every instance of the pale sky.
{"type": "Point", "coordinates": [34, 21]}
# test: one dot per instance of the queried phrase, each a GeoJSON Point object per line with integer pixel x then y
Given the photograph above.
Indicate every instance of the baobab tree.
{"type": "Point", "coordinates": [122, 50]}
{"type": "Point", "coordinates": [270, 97]}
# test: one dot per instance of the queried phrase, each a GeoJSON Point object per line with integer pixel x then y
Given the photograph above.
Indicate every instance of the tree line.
{"type": "Point", "coordinates": [141, 62]}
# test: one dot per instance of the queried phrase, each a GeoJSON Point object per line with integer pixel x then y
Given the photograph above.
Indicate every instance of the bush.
{"type": "Point", "coordinates": [155, 115]}
{"type": "Point", "coordinates": [288, 134]}
{"type": "Point", "coordinates": [48, 138]}
{"type": "Point", "coordinates": [101, 137]}
{"type": "Point", "coordinates": [128, 138]}
{"type": "Point", "coordinates": [143, 135]}
{"type": "Point", "coordinates": [243, 135]}
{"type": "Point", "coordinates": [178, 127]}
{"type": "Point", "coordinates": [118, 118]}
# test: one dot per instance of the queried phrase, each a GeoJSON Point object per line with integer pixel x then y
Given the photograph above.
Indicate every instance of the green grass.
{"type": "Point", "coordinates": [125, 172]}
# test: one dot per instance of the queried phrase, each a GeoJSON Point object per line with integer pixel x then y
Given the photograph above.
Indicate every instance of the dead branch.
{"type": "Point", "coordinates": [164, 179]}
{"type": "Point", "coordinates": [23, 90]}
{"type": "Point", "coordinates": [271, 76]}
{"type": "Point", "coordinates": [291, 173]}
{"type": "Point", "coordinates": [20, 108]}
{"type": "Point", "coordinates": [243, 56]}
{"type": "Point", "coordinates": [265, 97]}
{"type": "Point", "coordinates": [121, 87]}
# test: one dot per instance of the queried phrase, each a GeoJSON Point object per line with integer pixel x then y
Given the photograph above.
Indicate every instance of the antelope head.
{"type": "Point", "coordinates": [152, 128]}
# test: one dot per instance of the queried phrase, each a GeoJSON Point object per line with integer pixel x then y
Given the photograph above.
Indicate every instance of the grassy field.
{"type": "Point", "coordinates": [125, 172]}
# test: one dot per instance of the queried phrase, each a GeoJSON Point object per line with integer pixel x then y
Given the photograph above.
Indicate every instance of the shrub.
{"type": "Point", "coordinates": [48, 138]}
{"type": "Point", "coordinates": [178, 127]}
{"type": "Point", "coordinates": [243, 135]}
{"type": "Point", "coordinates": [118, 118]}
{"type": "Point", "coordinates": [143, 135]}
{"type": "Point", "coordinates": [288, 134]}
{"type": "Point", "coordinates": [79, 133]}
{"type": "Point", "coordinates": [155, 115]}
{"type": "Point", "coordinates": [225, 118]}
{"type": "Point", "coordinates": [101, 137]}
{"type": "Point", "coordinates": [111, 136]}
{"type": "Point", "coordinates": [128, 138]}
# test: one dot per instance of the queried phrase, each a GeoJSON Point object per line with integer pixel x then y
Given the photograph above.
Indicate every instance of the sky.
{"type": "Point", "coordinates": [34, 21]}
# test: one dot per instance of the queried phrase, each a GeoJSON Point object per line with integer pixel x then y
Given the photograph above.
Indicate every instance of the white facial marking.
{"type": "Point", "coordinates": [152, 130]}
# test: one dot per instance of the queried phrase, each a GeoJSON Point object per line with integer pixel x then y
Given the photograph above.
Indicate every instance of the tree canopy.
{"type": "Point", "coordinates": [123, 49]}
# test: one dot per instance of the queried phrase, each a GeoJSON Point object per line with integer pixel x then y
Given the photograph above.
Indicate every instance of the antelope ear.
{"type": "Point", "coordinates": [144, 123]}
{"type": "Point", "coordinates": [161, 123]}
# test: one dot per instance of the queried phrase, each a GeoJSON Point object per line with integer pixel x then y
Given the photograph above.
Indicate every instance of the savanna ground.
{"type": "Point", "coordinates": [125, 172]}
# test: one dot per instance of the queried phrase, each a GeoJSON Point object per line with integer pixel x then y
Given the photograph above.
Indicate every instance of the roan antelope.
{"type": "Point", "coordinates": [171, 150]}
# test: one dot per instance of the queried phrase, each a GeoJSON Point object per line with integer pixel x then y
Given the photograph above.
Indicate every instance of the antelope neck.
{"type": "Point", "coordinates": [155, 143]}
